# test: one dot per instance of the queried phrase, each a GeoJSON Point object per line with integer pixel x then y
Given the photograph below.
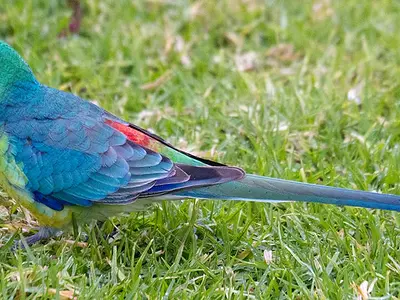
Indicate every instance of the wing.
{"type": "Point", "coordinates": [73, 156]}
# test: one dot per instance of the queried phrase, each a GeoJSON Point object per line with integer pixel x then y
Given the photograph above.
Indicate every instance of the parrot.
{"type": "Point", "coordinates": [68, 160]}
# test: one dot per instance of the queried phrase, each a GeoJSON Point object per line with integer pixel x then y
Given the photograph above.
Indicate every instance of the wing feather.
{"type": "Point", "coordinates": [72, 155]}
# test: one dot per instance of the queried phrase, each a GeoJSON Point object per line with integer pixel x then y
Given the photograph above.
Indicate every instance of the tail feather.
{"type": "Point", "coordinates": [211, 180]}
{"type": "Point", "coordinates": [266, 189]}
{"type": "Point", "coordinates": [197, 177]}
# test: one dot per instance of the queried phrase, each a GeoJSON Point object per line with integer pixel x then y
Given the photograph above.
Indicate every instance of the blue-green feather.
{"type": "Point", "coordinates": [68, 152]}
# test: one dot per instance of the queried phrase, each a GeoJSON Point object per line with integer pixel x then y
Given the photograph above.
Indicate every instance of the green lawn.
{"type": "Point", "coordinates": [302, 90]}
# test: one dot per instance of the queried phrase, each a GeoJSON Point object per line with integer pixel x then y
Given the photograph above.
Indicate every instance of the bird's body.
{"type": "Point", "coordinates": [65, 159]}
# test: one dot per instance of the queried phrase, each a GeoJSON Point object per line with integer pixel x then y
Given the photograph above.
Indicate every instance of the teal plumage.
{"type": "Point", "coordinates": [65, 158]}
{"type": "Point", "coordinates": [71, 154]}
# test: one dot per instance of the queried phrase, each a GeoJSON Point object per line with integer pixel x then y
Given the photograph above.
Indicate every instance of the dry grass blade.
{"type": "Point", "coordinates": [158, 82]}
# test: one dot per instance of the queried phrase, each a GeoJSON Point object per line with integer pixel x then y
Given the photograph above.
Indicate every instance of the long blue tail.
{"type": "Point", "coordinates": [266, 189]}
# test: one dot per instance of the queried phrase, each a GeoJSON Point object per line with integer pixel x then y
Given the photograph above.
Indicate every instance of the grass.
{"type": "Point", "coordinates": [259, 84]}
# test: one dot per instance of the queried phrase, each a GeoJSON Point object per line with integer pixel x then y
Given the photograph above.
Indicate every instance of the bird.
{"type": "Point", "coordinates": [68, 160]}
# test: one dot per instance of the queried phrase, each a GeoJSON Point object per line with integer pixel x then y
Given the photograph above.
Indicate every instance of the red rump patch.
{"type": "Point", "coordinates": [133, 135]}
